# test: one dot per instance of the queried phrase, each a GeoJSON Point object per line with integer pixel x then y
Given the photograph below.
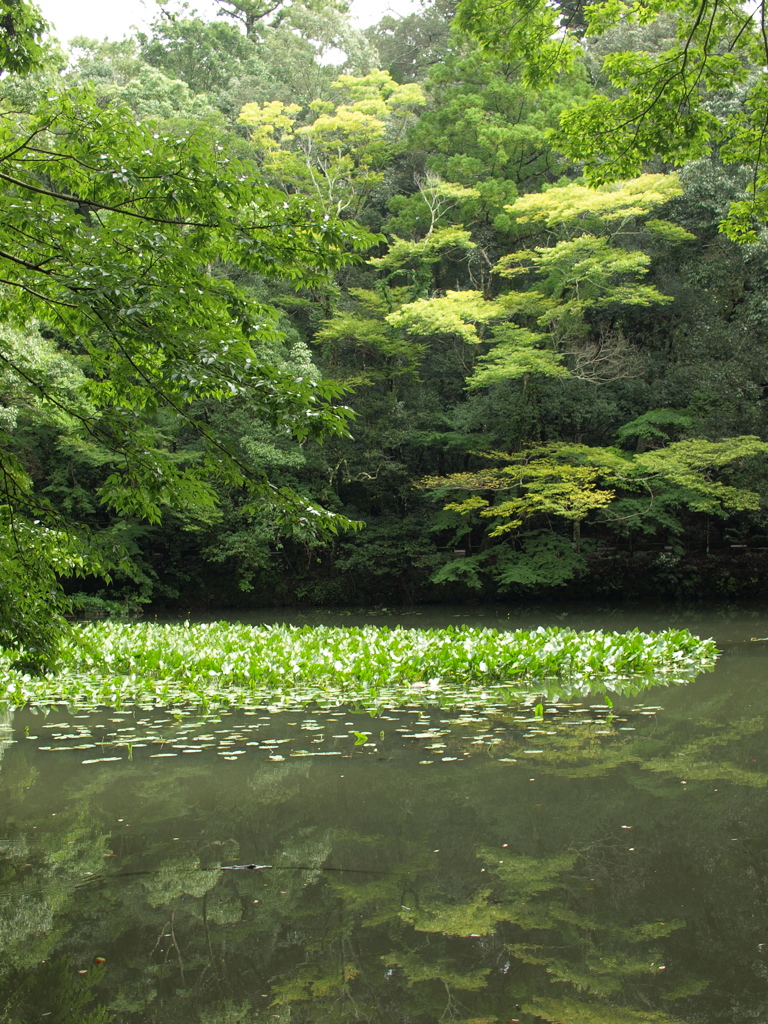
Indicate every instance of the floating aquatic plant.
{"type": "Point", "coordinates": [214, 664]}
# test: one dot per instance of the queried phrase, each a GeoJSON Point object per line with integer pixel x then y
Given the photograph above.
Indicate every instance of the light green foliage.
{"type": "Point", "coordinates": [340, 152]}
{"type": "Point", "coordinates": [549, 486]}
{"type": "Point", "coordinates": [405, 256]}
{"type": "Point", "coordinates": [381, 324]}
{"type": "Point", "coordinates": [584, 267]}
{"type": "Point", "coordinates": [661, 102]}
{"type": "Point", "coordinates": [691, 466]}
{"type": "Point", "coordinates": [516, 353]}
{"type": "Point", "coordinates": [270, 123]}
{"type": "Point", "coordinates": [570, 481]}
{"type": "Point", "coordinates": [585, 270]}
{"type": "Point", "coordinates": [582, 276]}
{"type": "Point", "coordinates": [454, 313]}
{"type": "Point", "coordinates": [370, 667]}
{"type": "Point", "coordinates": [601, 209]}
{"type": "Point", "coordinates": [564, 480]}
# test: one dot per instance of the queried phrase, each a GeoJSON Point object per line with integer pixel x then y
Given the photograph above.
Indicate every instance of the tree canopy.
{"type": "Point", "coordinates": [706, 91]}
{"type": "Point", "coordinates": [252, 297]}
{"type": "Point", "coordinates": [118, 240]}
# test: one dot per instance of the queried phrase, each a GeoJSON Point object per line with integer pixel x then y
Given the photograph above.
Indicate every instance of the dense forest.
{"type": "Point", "coordinates": [435, 311]}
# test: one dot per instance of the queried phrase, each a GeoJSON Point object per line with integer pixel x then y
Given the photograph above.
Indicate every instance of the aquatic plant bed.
{"type": "Point", "coordinates": [371, 667]}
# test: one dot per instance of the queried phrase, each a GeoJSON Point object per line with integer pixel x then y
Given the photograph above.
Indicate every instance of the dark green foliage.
{"type": "Point", "coordinates": [485, 129]}
{"type": "Point", "coordinates": [409, 47]}
{"type": "Point", "coordinates": [205, 55]}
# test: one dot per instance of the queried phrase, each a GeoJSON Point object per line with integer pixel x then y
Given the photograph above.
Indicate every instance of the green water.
{"type": "Point", "coordinates": [594, 866]}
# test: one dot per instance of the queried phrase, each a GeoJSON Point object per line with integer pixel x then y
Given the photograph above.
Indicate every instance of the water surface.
{"type": "Point", "coordinates": [588, 866]}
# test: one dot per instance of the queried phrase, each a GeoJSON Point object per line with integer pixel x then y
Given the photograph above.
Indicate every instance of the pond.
{"type": "Point", "coordinates": [587, 865]}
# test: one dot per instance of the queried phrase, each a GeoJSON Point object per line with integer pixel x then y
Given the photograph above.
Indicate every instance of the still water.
{"type": "Point", "coordinates": [590, 865]}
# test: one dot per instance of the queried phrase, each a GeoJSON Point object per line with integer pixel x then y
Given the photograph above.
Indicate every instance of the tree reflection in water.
{"type": "Point", "coordinates": [614, 877]}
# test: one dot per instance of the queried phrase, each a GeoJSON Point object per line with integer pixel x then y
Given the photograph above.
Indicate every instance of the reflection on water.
{"type": "Point", "coordinates": [572, 864]}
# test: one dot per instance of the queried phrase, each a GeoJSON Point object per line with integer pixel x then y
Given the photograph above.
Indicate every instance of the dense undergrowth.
{"type": "Point", "coordinates": [370, 667]}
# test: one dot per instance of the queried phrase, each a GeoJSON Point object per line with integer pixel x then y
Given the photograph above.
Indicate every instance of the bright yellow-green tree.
{"type": "Point", "coordinates": [336, 151]}
{"type": "Point", "coordinates": [563, 314]}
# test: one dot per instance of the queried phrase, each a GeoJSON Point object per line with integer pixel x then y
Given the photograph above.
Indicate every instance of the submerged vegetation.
{"type": "Point", "coordinates": [368, 667]}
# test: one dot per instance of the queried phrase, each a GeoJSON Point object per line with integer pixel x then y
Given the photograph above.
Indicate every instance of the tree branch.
{"type": "Point", "coordinates": [78, 201]}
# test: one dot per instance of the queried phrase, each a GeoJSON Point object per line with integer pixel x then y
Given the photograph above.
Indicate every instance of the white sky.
{"type": "Point", "coordinates": [114, 18]}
